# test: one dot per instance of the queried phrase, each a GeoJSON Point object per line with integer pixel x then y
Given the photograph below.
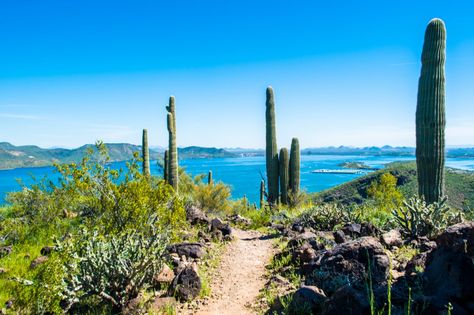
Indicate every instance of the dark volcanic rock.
{"type": "Point", "coordinates": [392, 238]}
{"type": "Point", "coordinates": [339, 237]}
{"type": "Point", "coordinates": [307, 299]}
{"type": "Point", "coordinates": [350, 261]}
{"type": "Point", "coordinates": [347, 300]}
{"type": "Point", "coordinates": [195, 215]}
{"type": "Point", "coordinates": [459, 238]}
{"type": "Point", "coordinates": [45, 251]}
{"type": "Point", "coordinates": [352, 229]}
{"type": "Point", "coordinates": [217, 224]}
{"type": "Point", "coordinates": [190, 250]}
{"type": "Point", "coordinates": [186, 285]}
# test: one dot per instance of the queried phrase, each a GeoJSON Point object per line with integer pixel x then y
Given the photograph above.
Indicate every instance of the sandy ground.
{"type": "Point", "coordinates": [240, 275]}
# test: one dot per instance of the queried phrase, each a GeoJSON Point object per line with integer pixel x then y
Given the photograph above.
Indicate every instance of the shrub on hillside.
{"type": "Point", "coordinates": [326, 216]}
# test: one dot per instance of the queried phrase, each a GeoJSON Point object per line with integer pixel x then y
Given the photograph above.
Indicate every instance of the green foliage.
{"type": "Point", "coordinates": [417, 218]}
{"type": "Point", "coordinates": [385, 193]}
{"type": "Point", "coordinates": [430, 114]}
{"type": "Point", "coordinates": [112, 268]}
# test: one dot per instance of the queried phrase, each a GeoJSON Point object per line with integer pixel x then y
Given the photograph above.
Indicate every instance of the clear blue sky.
{"type": "Point", "coordinates": [344, 72]}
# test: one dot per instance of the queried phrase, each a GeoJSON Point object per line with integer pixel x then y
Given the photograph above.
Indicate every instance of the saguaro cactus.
{"type": "Point", "coordinates": [294, 181]}
{"type": "Point", "coordinates": [209, 178]}
{"type": "Point", "coordinates": [165, 165]}
{"type": "Point", "coordinates": [284, 175]}
{"type": "Point", "coordinates": [430, 114]}
{"type": "Point", "coordinates": [271, 148]}
{"type": "Point", "coordinates": [172, 176]}
{"type": "Point", "coordinates": [145, 154]}
{"type": "Point", "coordinates": [262, 194]}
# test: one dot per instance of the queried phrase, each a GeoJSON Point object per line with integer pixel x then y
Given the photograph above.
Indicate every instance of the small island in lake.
{"type": "Point", "coordinates": [357, 166]}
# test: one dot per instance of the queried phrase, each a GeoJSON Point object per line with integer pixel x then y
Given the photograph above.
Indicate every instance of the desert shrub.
{"type": "Point", "coordinates": [210, 198]}
{"type": "Point", "coordinates": [112, 268]}
{"type": "Point", "coordinates": [417, 218]}
{"type": "Point", "coordinates": [370, 212]}
{"type": "Point", "coordinates": [385, 193]}
{"type": "Point", "coordinates": [297, 200]}
{"type": "Point", "coordinates": [326, 216]}
{"type": "Point", "coordinates": [258, 217]}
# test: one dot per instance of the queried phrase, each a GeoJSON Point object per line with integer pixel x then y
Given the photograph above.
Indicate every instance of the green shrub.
{"type": "Point", "coordinates": [385, 193]}
{"type": "Point", "coordinates": [114, 268]}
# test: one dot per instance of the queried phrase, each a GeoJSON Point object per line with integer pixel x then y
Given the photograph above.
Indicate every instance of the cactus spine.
{"type": "Point", "coordinates": [284, 175]}
{"type": "Point", "coordinates": [165, 166]}
{"type": "Point", "coordinates": [172, 176]}
{"type": "Point", "coordinates": [145, 154]}
{"type": "Point", "coordinates": [209, 178]}
{"type": "Point", "coordinates": [271, 148]}
{"type": "Point", "coordinates": [294, 180]}
{"type": "Point", "coordinates": [262, 194]}
{"type": "Point", "coordinates": [430, 114]}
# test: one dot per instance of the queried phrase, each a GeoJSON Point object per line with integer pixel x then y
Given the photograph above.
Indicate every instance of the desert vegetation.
{"type": "Point", "coordinates": [102, 241]}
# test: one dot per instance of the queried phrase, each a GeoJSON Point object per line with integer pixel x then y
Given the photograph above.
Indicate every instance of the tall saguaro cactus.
{"type": "Point", "coordinates": [284, 175]}
{"type": "Point", "coordinates": [172, 176]}
{"type": "Point", "coordinates": [430, 114]}
{"type": "Point", "coordinates": [209, 178]}
{"type": "Point", "coordinates": [165, 165]}
{"type": "Point", "coordinates": [145, 154]}
{"type": "Point", "coordinates": [262, 194]}
{"type": "Point", "coordinates": [294, 181]}
{"type": "Point", "coordinates": [271, 148]}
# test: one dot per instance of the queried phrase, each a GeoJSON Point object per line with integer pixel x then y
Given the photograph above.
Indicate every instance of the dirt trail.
{"type": "Point", "coordinates": [240, 275]}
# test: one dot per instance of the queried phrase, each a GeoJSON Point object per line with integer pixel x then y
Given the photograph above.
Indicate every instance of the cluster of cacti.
{"type": "Point", "coordinates": [430, 114]}
{"type": "Point", "coordinates": [271, 150]}
{"type": "Point", "coordinates": [145, 154]}
{"type": "Point", "coordinates": [172, 171]}
{"type": "Point", "coordinates": [283, 173]}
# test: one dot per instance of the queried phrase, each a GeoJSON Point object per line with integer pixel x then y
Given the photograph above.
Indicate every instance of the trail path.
{"type": "Point", "coordinates": [240, 275]}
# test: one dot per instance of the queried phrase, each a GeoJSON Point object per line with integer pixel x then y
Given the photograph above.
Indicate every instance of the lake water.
{"type": "Point", "coordinates": [242, 174]}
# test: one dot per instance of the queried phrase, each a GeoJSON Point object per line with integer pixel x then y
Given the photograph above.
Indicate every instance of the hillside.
{"type": "Point", "coordinates": [33, 156]}
{"type": "Point", "coordinates": [459, 186]}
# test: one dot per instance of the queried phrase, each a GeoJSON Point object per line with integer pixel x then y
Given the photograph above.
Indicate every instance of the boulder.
{"type": "Point", "coordinates": [190, 250]}
{"type": "Point", "coordinates": [297, 227]}
{"type": "Point", "coordinates": [349, 263]}
{"type": "Point", "coordinates": [238, 219]}
{"type": "Point", "coordinates": [458, 238]}
{"type": "Point", "coordinates": [449, 276]}
{"type": "Point", "coordinates": [217, 224]}
{"type": "Point", "coordinates": [307, 300]}
{"type": "Point", "coordinates": [352, 229]}
{"type": "Point", "coordinates": [301, 238]}
{"type": "Point", "coordinates": [339, 237]}
{"type": "Point", "coordinates": [196, 216]}
{"type": "Point", "coordinates": [186, 285]}
{"type": "Point", "coordinates": [166, 275]}
{"type": "Point", "coordinates": [368, 229]}
{"type": "Point", "coordinates": [304, 253]}
{"type": "Point", "coordinates": [38, 261]}
{"type": "Point", "coordinates": [347, 300]}
{"type": "Point", "coordinates": [392, 238]}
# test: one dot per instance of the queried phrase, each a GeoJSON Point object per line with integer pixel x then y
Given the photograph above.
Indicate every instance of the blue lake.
{"type": "Point", "coordinates": [242, 174]}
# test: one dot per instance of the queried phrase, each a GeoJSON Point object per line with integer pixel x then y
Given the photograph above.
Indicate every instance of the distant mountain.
{"type": "Point", "coordinates": [33, 156]}
{"type": "Point", "coordinates": [343, 150]}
